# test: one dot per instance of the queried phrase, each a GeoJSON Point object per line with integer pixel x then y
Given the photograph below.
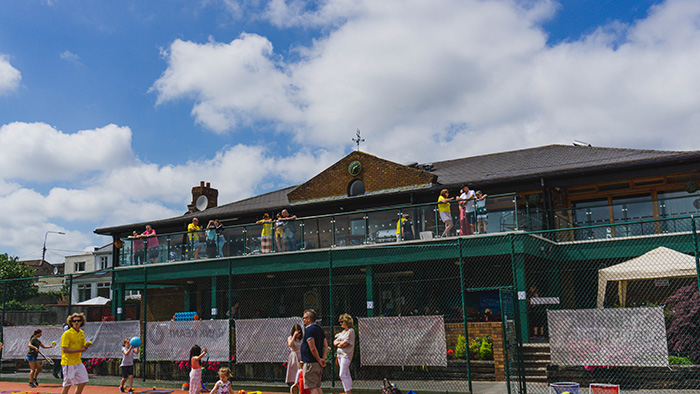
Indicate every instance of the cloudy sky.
{"type": "Point", "coordinates": [111, 111]}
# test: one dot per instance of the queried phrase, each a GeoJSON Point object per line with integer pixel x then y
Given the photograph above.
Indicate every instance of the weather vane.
{"type": "Point", "coordinates": [358, 139]}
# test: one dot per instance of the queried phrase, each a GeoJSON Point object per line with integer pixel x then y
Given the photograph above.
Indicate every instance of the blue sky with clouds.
{"type": "Point", "coordinates": [111, 111]}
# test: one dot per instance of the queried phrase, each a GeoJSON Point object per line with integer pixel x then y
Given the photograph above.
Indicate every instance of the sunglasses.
{"type": "Point", "coordinates": [76, 321]}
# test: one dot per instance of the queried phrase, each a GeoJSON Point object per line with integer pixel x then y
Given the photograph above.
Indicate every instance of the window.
{"type": "Point", "coordinates": [79, 266]}
{"type": "Point", "coordinates": [84, 292]}
{"type": "Point", "coordinates": [356, 188]}
{"type": "Point", "coordinates": [104, 262]}
{"type": "Point", "coordinates": [103, 290]}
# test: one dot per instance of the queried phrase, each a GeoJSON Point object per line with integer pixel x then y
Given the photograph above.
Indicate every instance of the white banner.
{"type": "Point", "coordinates": [107, 338]}
{"type": "Point", "coordinates": [172, 340]}
{"type": "Point", "coordinates": [608, 337]}
{"type": "Point", "coordinates": [16, 341]}
{"type": "Point", "coordinates": [264, 340]}
{"type": "Point", "coordinates": [403, 341]}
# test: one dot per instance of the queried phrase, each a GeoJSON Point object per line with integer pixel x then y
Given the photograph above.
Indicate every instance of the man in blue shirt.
{"type": "Point", "coordinates": [314, 348]}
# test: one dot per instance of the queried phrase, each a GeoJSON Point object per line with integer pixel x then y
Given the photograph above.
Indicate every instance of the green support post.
{"type": "Point", "coordinates": [330, 308]}
{"type": "Point", "coordinates": [462, 288]}
{"type": "Point", "coordinates": [214, 309]}
{"type": "Point", "coordinates": [695, 248]}
{"type": "Point", "coordinates": [369, 285]}
{"type": "Point", "coordinates": [519, 284]}
{"type": "Point", "coordinates": [144, 300]}
{"type": "Point", "coordinates": [70, 294]}
{"type": "Point", "coordinates": [230, 312]}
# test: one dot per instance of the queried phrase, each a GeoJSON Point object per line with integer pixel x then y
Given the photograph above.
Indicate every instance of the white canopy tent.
{"type": "Point", "coordinates": [658, 263]}
{"type": "Point", "coordinates": [99, 300]}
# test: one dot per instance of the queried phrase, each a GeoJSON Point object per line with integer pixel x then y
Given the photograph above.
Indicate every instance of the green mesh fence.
{"type": "Point", "coordinates": [607, 304]}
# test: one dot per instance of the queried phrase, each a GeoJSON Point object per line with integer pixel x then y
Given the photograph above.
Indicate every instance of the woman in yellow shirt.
{"type": "Point", "coordinates": [266, 235]}
{"type": "Point", "coordinates": [445, 212]}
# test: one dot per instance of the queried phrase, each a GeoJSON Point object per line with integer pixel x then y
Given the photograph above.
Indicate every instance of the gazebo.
{"type": "Point", "coordinates": [658, 263]}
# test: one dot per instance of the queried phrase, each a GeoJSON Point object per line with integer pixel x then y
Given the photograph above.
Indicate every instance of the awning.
{"type": "Point", "coordinates": [661, 262]}
{"type": "Point", "coordinates": [99, 300]}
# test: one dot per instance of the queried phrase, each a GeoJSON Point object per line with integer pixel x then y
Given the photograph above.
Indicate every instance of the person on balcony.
{"type": "Point", "coordinates": [289, 237]}
{"type": "Point", "coordinates": [220, 239]}
{"type": "Point", "coordinates": [193, 230]}
{"type": "Point", "coordinates": [481, 215]}
{"type": "Point", "coordinates": [445, 212]}
{"type": "Point", "coordinates": [137, 246]}
{"type": "Point", "coordinates": [266, 234]}
{"type": "Point", "coordinates": [466, 211]}
{"type": "Point", "coordinates": [151, 243]}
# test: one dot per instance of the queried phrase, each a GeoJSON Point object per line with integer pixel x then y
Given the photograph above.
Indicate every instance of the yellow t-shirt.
{"type": "Point", "coordinates": [266, 227]}
{"type": "Point", "coordinates": [398, 225]}
{"type": "Point", "coordinates": [73, 340]}
{"type": "Point", "coordinates": [193, 234]}
{"type": "Point", "coordinates": [443, 205]}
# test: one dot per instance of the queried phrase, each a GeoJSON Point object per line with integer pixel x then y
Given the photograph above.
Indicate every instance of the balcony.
{"type": "Point", "coordinates": [506, 213]}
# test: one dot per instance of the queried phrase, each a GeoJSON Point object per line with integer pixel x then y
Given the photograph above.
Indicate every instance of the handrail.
{"type": "Point", "coordinates": [330, 215]}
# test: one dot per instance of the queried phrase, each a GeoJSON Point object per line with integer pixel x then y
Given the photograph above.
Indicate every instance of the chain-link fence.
{"type": "Point", "coordinates": [535, 308]}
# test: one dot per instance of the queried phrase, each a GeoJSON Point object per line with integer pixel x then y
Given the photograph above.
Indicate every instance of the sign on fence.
{"type": "Point", "coordinates": [608, 337]}
{"type": "Point", "coordinates": [402, 341]}
{"type": "Point", "coordinates": [106, 337]}
{"type": "Point", "coordinates": [264, 340]}
{"type": "Point", "coordinates": [172, 340]}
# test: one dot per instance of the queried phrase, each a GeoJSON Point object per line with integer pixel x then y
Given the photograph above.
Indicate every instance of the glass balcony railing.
{"type": "Point", "coordinates": [364, 227]}
{"type": "Point", "coordinates": [631, 216]}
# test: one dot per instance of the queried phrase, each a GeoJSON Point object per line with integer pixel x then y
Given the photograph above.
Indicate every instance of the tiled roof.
{"type": "Point", "coordinates": [546, 161]}
{"type": "Point", "coordinates": [536, 162]}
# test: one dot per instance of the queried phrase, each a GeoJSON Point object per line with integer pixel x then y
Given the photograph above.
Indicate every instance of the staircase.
{"type": "Point", "coordinates": [536, 357]}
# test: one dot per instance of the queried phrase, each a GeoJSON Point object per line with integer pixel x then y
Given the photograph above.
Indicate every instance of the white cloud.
{"type": "Point", "coordinates": [39, 152]}
{"type": "Point", "coordinates": [9, 76]}
{"type": "Point", "coordinates": [239, 84]}
{"type": "Point", "coordinates": [71, 57]}
{"type": "Point", "coordinates": [451, 78]}
{"type": "Point", "coordinates": [119, 189]}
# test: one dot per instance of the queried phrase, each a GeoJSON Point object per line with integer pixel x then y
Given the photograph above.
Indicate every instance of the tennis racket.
{"type": "Point", "coordinates": [50, 361]}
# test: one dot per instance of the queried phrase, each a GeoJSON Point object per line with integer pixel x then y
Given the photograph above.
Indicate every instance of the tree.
{"type": "Point", "coordinates": [19, 290]}
{"type": "Point", "coordinates": [683, 322]}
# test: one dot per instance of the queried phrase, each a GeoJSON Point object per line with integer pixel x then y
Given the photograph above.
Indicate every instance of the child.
{"type": "Point", "coordinates": [196, 354]}
{"type": "Point", "coordinates": [298, 386]}
{"type": "Point", "coordinates": [127, 365]}
{"type": "Point", "coordinates": [32, 357]}
{"type": "Point", "coordinates": [223, 386]}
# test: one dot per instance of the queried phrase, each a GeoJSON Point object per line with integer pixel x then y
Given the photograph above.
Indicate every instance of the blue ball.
{"type": "Point", "coordinates": [135, 342]}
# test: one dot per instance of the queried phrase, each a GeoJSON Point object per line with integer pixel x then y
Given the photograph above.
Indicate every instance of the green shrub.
{"type": "Point", "coordinates": [481, 348]}
{"type": "Point", "coordinates": [461, 348]}
{"type": "Point", "coordinates": [486, 349]}
{"type": "Point", "coordinates": [14, 305]}
{"type": "Point", "coordinates": [675, 360]}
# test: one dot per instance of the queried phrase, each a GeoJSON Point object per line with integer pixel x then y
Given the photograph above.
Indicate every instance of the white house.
{"type": "Point", "coordinates": [90, 278]}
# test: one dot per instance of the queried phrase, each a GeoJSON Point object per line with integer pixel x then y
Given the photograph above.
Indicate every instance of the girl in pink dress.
{"type": "Point", "coordinates": [196, 354]}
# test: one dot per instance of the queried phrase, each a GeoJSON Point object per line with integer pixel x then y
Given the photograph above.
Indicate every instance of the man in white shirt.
{"type": "Point", "coordinates": [466, 211]}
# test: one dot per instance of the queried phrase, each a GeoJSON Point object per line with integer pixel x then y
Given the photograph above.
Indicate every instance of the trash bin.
{"type": "Point", "coordinates": [565, 387]}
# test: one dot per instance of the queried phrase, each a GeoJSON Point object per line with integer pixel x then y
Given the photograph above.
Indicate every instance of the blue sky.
{"type": "Point", "coordinates": [111, 111]}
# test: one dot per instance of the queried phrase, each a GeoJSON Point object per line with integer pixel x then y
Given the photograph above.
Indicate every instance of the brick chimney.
{"type": "Point", "coordinates": [204, 189]}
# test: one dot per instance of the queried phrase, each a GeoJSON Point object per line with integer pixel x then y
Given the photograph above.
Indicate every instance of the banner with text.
{"type": "Point", "coordinates": [608, 337]}
{"type": "Point", "coordinates": [106, 337]}
{"type": "Point", "coordinates": [172, 340]}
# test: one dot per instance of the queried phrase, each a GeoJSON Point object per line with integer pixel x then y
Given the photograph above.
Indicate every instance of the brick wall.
{"type": "Point", "coordinates": [491, 329]}
{"type": "Point", "coordinates": [377, 174]}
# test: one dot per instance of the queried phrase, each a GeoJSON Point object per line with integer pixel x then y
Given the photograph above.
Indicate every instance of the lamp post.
{"type": "Point", "coordinates": [43, 251]}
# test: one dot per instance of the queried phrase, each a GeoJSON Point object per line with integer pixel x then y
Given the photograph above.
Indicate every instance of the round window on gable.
{"type": "Point", "coordinates": [356, 188]}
